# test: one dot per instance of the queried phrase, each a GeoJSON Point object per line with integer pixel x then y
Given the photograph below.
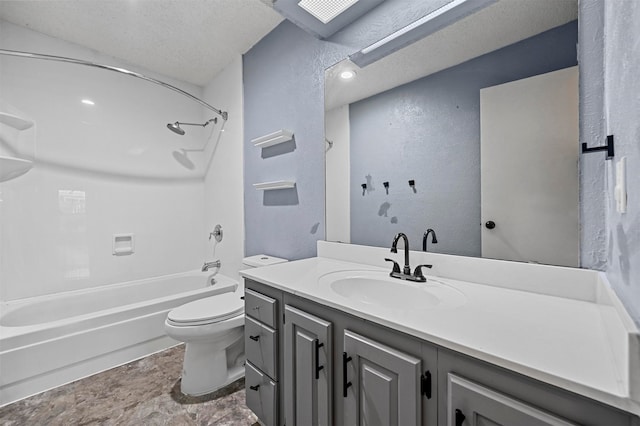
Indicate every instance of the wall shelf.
{"type": "Point", "coordinates": [274, 138]}
{"type": "Point", "coordinates": [278, 184]}
{"type": "Point", "coordinates": [11, 167]}
{"type": "Point", "coordinates": [15, 121]}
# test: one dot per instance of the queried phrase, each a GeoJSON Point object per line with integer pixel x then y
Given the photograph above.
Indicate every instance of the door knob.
{"type": "Point", "coordinates": [490, 224]}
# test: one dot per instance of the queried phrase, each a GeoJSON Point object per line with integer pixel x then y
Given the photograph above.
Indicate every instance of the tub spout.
{"type": "Point", "coordinates": [207, 265]}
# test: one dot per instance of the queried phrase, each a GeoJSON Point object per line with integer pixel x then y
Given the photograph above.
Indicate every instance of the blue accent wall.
{"type": "Point", "coordinates": [284, 88]}
{"type": "Point", "coordinates": [622, 105]}
{"type": "Point", "coordinates": [593, 253]}
{"type": "Point", "coordinates": [283, 79]}
{"type": "Point", "coordinates": [429, 131]}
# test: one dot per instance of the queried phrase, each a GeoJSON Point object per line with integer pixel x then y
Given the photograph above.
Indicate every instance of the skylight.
{"type": "Point", "coordinates": [325, 10]}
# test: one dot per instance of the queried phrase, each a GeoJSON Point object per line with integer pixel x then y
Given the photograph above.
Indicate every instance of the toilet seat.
{"type": "Point", "coordinates": [209, 310]}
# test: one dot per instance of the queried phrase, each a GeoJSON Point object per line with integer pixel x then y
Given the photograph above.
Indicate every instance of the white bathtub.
{"type": "Point", "coordinates": [51, 340]}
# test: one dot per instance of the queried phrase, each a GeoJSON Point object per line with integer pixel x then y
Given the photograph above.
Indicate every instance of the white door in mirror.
{"type": "Point", "coordinates": [529, 178]}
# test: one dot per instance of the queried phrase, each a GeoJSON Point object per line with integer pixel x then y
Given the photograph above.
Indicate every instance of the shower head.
{"type": "Point", "coordinates": [175, 127]}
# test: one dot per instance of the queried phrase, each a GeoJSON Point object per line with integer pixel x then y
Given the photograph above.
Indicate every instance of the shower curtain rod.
{"type": "Point", "coordinates": [30, 55]}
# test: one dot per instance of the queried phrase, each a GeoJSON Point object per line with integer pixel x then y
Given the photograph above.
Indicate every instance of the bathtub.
{"type": "Point", "coordinates": [51, 340]}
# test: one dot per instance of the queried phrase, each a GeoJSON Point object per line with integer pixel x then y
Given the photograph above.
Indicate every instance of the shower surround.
{"type": "Point", "coordinates": [106, 165]}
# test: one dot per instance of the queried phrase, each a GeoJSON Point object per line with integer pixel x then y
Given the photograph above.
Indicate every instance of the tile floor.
{"type": "Point", "coordinates": [143, 392]}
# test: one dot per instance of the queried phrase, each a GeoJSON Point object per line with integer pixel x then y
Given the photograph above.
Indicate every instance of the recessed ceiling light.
{"type": "Point", "coordinates": [347, 74]}
{"type": "Point", "coordinates": [325, 10]}
{"type": "Point", "coordinates": [88, 102]}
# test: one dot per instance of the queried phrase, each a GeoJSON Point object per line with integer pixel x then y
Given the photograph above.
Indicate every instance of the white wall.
{"type": "Point", "coordinates": [223, 201]}
{"type": "Point", "coordinates": [338, 214]}
{"type": "Point", "coordinates": [99, 170]}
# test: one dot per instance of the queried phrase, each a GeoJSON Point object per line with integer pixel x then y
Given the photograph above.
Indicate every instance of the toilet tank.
{"type": "Point", "coordinates": [261, 260]}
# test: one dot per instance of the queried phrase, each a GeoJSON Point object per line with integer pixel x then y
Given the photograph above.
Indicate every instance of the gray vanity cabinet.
{"type": "Point", "coordinates": [328, 367]}
{"type": "Point", "coordinates": [380, 354]}
{"type": "Point", "coordinates": [489, 395]}
{"type": "Point", "coordinates": [471, 404]}
{"type": "Point", "coordinates": [263, 342]}
{"type": "Point", "coordinates": [381, 385]}
{"type": "Point", "coordinates": [308, 372]}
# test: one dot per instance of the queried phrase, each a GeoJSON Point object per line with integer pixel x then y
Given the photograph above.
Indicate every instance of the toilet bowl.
{"type": "Point", "coordinates": [212, 329]}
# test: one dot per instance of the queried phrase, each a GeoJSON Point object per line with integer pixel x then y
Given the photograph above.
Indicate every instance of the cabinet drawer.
{"type": "Point", "coordinates": [261, 395]}
{"type": "Point", "coordinates": [260, 343]}
{"type": "Point", "coordinates": [260, 307]}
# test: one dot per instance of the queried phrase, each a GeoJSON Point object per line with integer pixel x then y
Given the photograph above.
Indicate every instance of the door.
{"type": "Point", "coordinates": [470, 404]}
{"type": "Point", "coordinates": [308, 369]}
{"type": "Point", "coordinates": [381, 385]}
{"type": "Point", "coordinates": [527, 126]}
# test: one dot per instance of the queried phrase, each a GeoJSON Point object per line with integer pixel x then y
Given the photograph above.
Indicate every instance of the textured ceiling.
{"type": "Point", "coordinates": [191, 40]}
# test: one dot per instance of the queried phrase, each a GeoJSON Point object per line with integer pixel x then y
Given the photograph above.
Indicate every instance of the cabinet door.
{"type": "Point", "coordinates": [308, 370]}
{"type": "Point", "coordinates": [381, 385]}
{"type": "Point", "coordinates": [470, 404]}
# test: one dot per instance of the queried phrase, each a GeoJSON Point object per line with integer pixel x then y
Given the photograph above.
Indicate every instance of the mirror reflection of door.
{"type": "Point", "coordinates": [529, 126]}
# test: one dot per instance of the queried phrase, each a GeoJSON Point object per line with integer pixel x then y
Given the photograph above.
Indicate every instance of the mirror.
{"type": "Point", "coordinates": [472, 126]}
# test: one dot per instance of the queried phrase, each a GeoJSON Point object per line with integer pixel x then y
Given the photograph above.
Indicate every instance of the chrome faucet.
{"type": "Point", "coordinates": [207, 265]}
{"type": "Point", "coordinates": [406, 271]}
{"type": "Point", "coordinates": [434, 240]}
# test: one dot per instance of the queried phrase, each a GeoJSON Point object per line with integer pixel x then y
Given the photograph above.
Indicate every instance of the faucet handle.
{"type": "Point", "coordinates": [418, 271]}
{"type": "Point", "coordinates": [396, 267]}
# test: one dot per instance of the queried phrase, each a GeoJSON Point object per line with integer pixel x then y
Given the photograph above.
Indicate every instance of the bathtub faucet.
{"type": "Point", "coordinates": [207, 265]}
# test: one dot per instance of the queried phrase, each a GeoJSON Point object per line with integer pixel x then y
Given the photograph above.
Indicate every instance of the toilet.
{"type": "Point", "coordinates": [212, 329]}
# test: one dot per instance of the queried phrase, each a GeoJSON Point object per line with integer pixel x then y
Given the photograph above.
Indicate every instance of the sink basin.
{"type": "Point", "coordinates": [379, 289]}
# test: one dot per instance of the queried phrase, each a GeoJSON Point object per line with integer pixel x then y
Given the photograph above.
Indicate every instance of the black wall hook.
{"type": "Point", "coordinates": [364, 188]}
{"type": "Point", "coordinates": [608, 147]}
{"type": "Point", "coordinates": [412, 182]}
{"type": "Point", "coordinates": [386, 186]}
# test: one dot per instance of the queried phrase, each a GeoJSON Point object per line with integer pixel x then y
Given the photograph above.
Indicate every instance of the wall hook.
{"type": "Point", "coordinates": [608, 147]}
{"type": "Point", "coordinates": [364, 188]}
{"type": "Point", "coordinates": [386, 186]}
{"type": "Point", "coordinates": [412, 182]}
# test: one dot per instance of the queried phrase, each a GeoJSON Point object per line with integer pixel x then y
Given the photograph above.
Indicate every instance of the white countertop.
{"type": "Point", "coordinates": [561, 341]}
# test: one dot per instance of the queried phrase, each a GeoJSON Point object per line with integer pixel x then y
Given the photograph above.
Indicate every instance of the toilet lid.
{"type": "Point", "coordinates": [210, 309]}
